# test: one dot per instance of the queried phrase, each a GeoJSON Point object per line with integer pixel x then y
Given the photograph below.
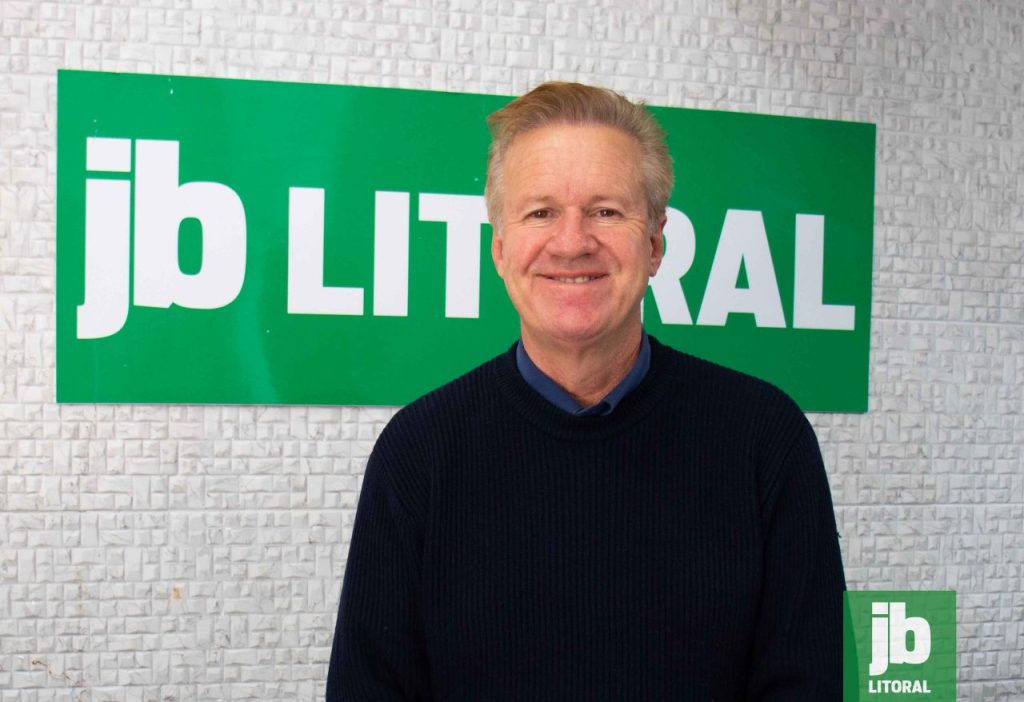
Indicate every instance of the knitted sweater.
{"type": "Point", "coordinates": [681, 548]}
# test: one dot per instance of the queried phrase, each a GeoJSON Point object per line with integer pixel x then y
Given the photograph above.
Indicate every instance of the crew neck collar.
{"type": "Point", "coordinates": [554, 393]}
{"type": "Point", "coordinates": [632, 408]}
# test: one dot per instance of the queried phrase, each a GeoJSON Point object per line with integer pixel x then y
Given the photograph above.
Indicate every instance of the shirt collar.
{"type": "Point", "coordinates": [556, 395]}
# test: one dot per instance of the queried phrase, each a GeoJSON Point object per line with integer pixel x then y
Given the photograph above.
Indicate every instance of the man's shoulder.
{"type": "Point", "coordinates": [717, 385]}
{"type": "Point", "coordinates": [425, 434]}
{"type": "Point", "coordinates": [745, 416]}
{"type": "Point", "coordinates": [473, 386]}
{"type": "Point", "coordinates": [451, 404]}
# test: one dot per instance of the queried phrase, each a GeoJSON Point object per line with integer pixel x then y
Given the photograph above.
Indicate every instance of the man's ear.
{"type": "Point", "coordinates": [658, 244]}
{"type": "Point", "coordinates": [497, 249]}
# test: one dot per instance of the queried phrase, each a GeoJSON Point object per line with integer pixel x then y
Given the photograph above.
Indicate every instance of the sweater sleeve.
{"type": "Point", "coordinates": [378, 651]}
{"type": "Point", "coordinates": [797, 652]}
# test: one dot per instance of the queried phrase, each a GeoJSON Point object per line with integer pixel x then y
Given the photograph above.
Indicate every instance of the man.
{"type": "Point", "coordinates": [591, 515]}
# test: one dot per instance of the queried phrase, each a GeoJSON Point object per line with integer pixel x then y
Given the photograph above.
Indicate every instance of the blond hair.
{"type": "Point", "coordinates": [554, 103]}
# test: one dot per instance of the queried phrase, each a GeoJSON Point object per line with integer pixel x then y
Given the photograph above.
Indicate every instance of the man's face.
{"type": "Point", "coordinates": [573, 244]}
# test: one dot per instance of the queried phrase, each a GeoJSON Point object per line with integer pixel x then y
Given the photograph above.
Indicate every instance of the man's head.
{"type": "Point", "coordinates": [577, 202]}
{"type": "Point", "coordinates": [556, 103]}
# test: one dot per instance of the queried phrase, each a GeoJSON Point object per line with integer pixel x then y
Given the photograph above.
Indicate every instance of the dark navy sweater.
{"type": "Point", "coordinates": [681, 548]}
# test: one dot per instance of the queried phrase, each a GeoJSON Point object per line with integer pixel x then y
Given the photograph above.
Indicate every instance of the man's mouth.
{"type": "Point", "coordinates": [574, 279]}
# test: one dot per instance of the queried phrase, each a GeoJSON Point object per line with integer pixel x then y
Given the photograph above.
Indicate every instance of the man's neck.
{"type": "Point", "coordinates": [587, 372]}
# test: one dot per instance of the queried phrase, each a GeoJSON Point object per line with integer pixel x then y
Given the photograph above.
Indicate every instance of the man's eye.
{"type": "Point", "coordinates": [539, 214]}
{"type": "Point", "coordinates": [607, 212]}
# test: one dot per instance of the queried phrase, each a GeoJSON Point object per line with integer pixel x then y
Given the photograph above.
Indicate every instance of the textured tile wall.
{"type": "Point", "coordinates": [195, 553]}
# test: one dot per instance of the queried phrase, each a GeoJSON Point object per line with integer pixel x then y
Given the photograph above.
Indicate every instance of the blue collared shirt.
{"type": "Point", "coordinates": [556, 395]}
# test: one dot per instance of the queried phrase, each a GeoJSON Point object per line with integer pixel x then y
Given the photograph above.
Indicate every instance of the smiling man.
{"type": "Point", "coordinates": [576, 245]}
{"type": "Point", "coordinates": [590, 515]}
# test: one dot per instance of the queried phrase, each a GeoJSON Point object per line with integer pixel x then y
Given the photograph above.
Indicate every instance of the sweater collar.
{"type": "Point", "coordinates": [633, 407]}
{"type": "Point", "coordinates": [556, 394]}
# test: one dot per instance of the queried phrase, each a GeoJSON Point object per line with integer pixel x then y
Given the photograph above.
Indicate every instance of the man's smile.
{"type": "Point", "coordinates": [575, 279]}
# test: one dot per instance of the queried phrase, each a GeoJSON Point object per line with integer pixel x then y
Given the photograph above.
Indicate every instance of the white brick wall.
{"type": "Point", "coordinates": [195, 553]}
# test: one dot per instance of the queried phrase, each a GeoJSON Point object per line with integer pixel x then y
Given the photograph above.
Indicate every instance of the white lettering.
{"type": "Point", "coordinates": [879, 638]}
{"type": "Point", "coordinates": [883, 686]}
{"type": "Point", "coordinates": [105, 154]}
{"type": "Point", "coordinates": [464, 214]}
{"type": "Point", "coordinates": [900, 626]}
{"type": "Point", "coordinates": [306, 291]}
{"type": "Point", "coordinates": [890, 627]}
{"type": "Point", "coordinates": [744, 242]}
{"type": "Point", "coordinates": [809, 312]}
{"type": "Point", "coordinates": [391, 254]}
{"type": "Point", "coordinates": [161, 204]}
{"type": "Point", "coordinates": [107, 234]}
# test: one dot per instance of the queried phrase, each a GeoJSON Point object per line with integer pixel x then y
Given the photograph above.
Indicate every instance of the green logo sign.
{"type": "Point", "coordinates": [899, 646]}
{"type": "Point", "coordinates": [232, 241]}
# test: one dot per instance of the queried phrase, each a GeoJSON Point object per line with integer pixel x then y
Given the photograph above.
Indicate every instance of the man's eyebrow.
{"type": "Point", "coordinates": [528, 201]}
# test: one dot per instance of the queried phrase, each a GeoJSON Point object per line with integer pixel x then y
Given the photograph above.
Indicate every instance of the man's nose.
{"type": "Point", "coordinates": [572, 236]}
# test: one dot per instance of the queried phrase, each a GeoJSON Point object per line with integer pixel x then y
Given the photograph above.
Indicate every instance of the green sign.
{"type": "Point", "coordinates": [232, 241]}
{"type": "Point", "coordinates": [899, 646]}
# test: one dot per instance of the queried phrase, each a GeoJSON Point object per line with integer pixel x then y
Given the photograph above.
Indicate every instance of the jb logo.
{"type": "Point", "coordinates": [162, 203]}
{"type": "Point", "coordinates": [887, 653]}
{"type": "Point", "coordinates": [890, 627]}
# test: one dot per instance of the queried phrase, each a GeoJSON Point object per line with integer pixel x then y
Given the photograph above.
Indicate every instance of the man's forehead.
{"type": "Point", "coordinates": [594, 162]}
